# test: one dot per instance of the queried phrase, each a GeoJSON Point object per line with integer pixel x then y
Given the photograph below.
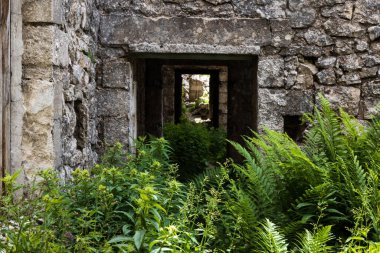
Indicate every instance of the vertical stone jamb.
{"type": "Point", "coordinates": [5, 88]}
{"type": "Point", "coordinates": [44, 58]}
{"type": "Point", "coordinates": [17, 108]}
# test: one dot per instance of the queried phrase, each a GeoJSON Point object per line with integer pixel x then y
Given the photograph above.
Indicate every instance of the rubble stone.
{"type": "Point", "coordinates": [374, 32]}
{"type": "Point", "coordinates": [326, 76]}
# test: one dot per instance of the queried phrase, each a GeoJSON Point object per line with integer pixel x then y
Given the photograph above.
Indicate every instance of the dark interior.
{"type": "Point", "coordinates": [294, 127]}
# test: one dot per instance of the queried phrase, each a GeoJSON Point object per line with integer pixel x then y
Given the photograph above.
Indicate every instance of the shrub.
{"type": "Point", "coordinates": [195, 147]}
{"type": "Point", "coordinates": [129, 203]}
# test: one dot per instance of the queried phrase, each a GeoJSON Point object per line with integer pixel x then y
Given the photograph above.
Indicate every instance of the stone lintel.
{"type": "Point", "coordinates": [183, 34]}
{"type": "Point", "coordinates": [193, 49]}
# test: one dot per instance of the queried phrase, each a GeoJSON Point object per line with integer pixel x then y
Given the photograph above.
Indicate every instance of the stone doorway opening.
{"type": "Point", "coordinates": [196, 105]}
{"type": "Point", "coordinates": [197, 96]}
{"type": "Point", "coordinates": [233, 99]}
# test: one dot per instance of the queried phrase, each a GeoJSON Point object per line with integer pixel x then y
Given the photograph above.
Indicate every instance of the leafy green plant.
{"type": "Point", "coordinates": [195, 147]}
{"type": "Point", "coordinates": [330, 180]}
{"type": "Point", "coordinates": [323, 196]}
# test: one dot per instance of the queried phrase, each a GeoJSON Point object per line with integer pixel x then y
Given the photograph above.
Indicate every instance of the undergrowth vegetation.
{"type": "Point", "coordinates": [195, 147]}
{"type": "Point", "coordinates": [322, 196]}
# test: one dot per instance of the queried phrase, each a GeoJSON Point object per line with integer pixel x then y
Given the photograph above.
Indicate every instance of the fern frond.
{"type": "Point", "coordinates": [325, 135]}
{"type": "Point", "coordinates": [270, 239]}
{"type": "Point", "coordinates": [352, 128]}
{"type": "Point", "coordinates": [241, 205]}
{"type": "Point", "coordinates": [208, 175]}
{"type": "Point", "coordinates": [315, 242]}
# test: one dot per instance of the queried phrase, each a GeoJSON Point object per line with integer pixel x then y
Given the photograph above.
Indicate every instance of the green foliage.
{"type": "Point", "coordinates": [195, 147]}
{"type": "Point", "coordinates": [270, 239]}
{"type": "Point", "coordinates": [315, 242]}
{"type": "Point", "coordinates": [323, 196]}
{"type": "Point", "coordinates": [332, 179]}
{"type": "Point", "coordinates": [129, 203]}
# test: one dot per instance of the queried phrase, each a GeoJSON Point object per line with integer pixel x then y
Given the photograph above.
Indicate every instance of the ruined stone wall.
{"type": "Point", "coordinates": [53, 84]}
{"type": "Point", "coordinates": [304, 46]}
{"type": "Point", "coordinates": [79, 134]}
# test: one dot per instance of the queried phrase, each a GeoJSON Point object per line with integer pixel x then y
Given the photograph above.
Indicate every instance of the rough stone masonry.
{"type": "Point", "coordinates": [74, 73]}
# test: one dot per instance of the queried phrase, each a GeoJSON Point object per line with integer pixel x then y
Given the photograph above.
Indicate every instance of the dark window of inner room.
{"type": "Point", "coordinates": [294, 127]}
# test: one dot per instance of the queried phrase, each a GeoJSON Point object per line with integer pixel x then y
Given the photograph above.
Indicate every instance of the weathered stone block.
{"type": "Point", "coordinates": [326, 76]}
{"type": "Point", "coordinates": [39, 96]}
{"type": "Point", "coordinates": [275, 103]}
{"type": "Point", "coordinates": [45, 46]}
{"type": "Point", "coordinates": [132, 30]}
{"type": "Point", "coordinates": [350, 78]}
{"type": "Point", "coordinates": [361, 45]}
{"type": "Point", "coordinates": [68, 120]}
{"type": "Point", "coordinates": [116, 130]}
{"type": "Point", "coordinates": [369, 72]}
{"type": "Point", "coordinates": [281, 39]}
{"type": "Point", "coordinates": [246, 8]}
{"type": "Point", "coordinates": [115, 5]}
{"type": "Point", "coordinates": [343, 11]}
{"type": "Point", "coordinates": [117, 74]}
{"type": "Point", "coordinates": [311, 51]}
{"type": "Point", "coordinates": [38, 42]}
{"type": "Point", "coordinates": [374, 32]}
{"type": "Point", "coordinates": [342, 96]}
{"type": "Point", "coordinates": [350, 62]}
{"type": "Point", "coordinates": [326, 62]}
{"type": "Point", "coordinates": [112, 102]}
{"type": "Point", "coordinates": [271, 72]}
{"type": "Point", "coordinates": [42, 11]}
{"type": "Point", "coordinates": [344, 46]}
{"type": "Point", "coordinates": [37, 131]}
{"type": "Point", "coordinates": [375, 47]}
{"type": "Point", "coordinates": [341, 27]}
{"type": "Point", "coordinates": [369, 105]}
{"type": "Point", "coordinates": [371, 89]}
{"type": "Point", "coordinates": [366, 12]}
{"type": "Point", "coordinates": [305, 77]}
{"type": "Point", "coordinates": [371, 60]}
{"type": "Point", "coordinates": [302, 18]}
{"type": "Point", "coordinates": [318, 37]}
{"type": "Point", "coordinates": [61, 48]}
{"type": "Point", "coordinates": [282, 34]}
{"type": "Point", "coordinates": [274, 9]}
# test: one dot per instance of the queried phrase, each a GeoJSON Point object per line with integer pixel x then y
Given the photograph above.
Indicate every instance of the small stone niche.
{"type": "Point", "coordinates": [294, 127]}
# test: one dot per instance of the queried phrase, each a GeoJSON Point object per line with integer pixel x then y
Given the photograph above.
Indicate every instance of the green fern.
{"type": "Point", "coordinates": [270, 239]}
{"type": "Point", "coordinates": [325, 136]}
{"type": "Point", "coordinates": [315, 242]}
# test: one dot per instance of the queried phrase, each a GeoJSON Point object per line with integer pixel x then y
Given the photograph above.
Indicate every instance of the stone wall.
{"type": "Point", "coordinates": [304, 46]}
{"type": "Point", "coordinates": [53, 84]}
{"type": "Point", "coordinates": [79, 134]}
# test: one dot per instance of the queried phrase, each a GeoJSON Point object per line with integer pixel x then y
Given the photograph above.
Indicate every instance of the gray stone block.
{"type": "Point", "coordinates": [42, 11]}
{"type": "Point", "coordinates": [117, 74]}
{"type": "Point", "coordinates": [112, 102]}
